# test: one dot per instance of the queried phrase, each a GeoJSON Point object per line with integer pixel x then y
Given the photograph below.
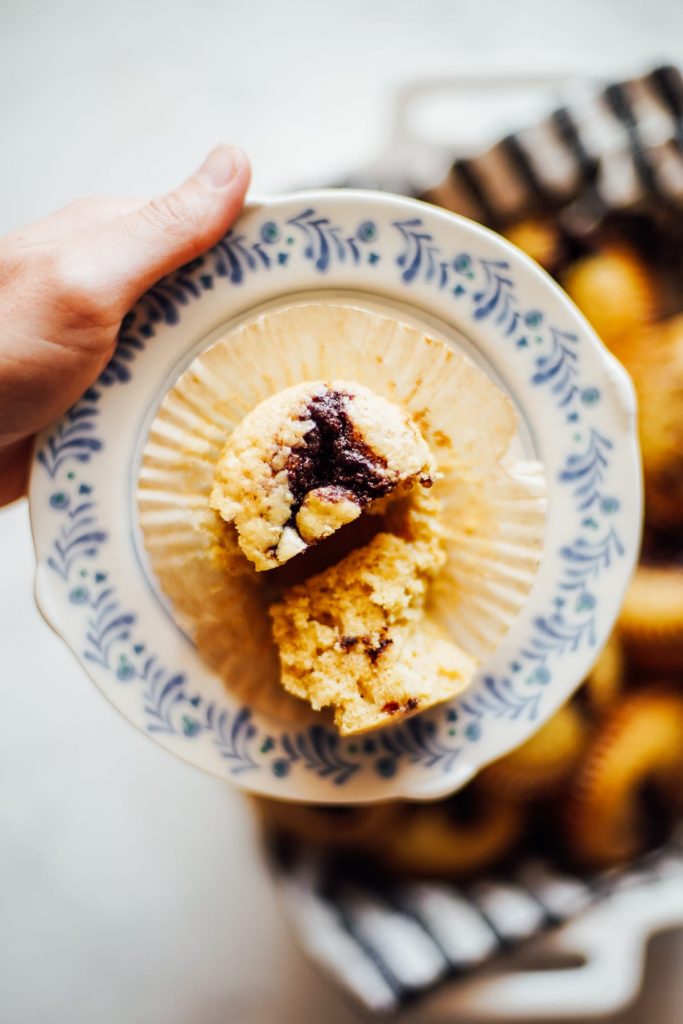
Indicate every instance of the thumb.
{"type": "Point", "coordinates": [172, 229]}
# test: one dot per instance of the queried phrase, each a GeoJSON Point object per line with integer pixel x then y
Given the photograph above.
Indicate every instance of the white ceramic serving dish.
{"type": "Point", "coordinates": [425, 949]}
{"type": "Point", "coordinates": [452, 277]}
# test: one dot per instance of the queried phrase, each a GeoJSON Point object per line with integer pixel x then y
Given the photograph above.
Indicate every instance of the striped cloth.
{"type": "Point", "coordinates": [389, 943]}
{"type": "Point", "coordinates": [602, 152]}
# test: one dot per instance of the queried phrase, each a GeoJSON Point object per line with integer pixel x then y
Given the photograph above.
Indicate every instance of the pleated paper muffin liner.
{"type": "Point", "coordinates": [494, 513]}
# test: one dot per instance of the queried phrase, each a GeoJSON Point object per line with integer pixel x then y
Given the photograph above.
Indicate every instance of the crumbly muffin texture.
{"type": "Point", "coordinates": [358, 637]}
{"type": "Point", "coordinates": [310, 459]}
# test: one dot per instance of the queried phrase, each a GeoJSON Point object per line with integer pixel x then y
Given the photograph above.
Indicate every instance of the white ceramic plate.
{"type": "Point", "coordinates": [576, 414]}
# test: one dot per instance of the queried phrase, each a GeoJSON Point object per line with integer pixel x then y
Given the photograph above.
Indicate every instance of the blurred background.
{"type": "Point", "coordinates": [131, 887]}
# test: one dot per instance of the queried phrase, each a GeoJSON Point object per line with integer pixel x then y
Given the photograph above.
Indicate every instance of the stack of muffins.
{"type": "Point", "coordinates": [602, 781]}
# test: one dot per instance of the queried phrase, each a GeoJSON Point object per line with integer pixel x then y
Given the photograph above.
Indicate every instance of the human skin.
{"type": "Point", "coordinates": [66, 283]}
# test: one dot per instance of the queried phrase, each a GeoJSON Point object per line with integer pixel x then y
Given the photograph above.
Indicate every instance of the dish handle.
{"type": "Point", "coordinates": [592, 966]}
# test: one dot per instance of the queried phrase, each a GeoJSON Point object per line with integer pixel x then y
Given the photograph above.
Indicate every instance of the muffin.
{"type": "Point", "coordinates": [651, 619]}
{"type": "Point", "coordinates": [540, 239]}
{"type": "Point", "coordinates": [628, 789]}
{"type": "Point", "coordinates": [358, 637]}
{"type": "Point", "coordinates": [654, 359]}
{"type": "Point", "coordinates": [457, 837]}
{"type": "Point", "coordinates": [613, 290]}
{"type": "Point", "coordinates": [310, 459]}
{"type": "Point", "coordinates": [540, 766]}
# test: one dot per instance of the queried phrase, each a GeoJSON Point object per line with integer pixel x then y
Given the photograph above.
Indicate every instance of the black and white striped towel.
{"type": "Point", "coordinates": [605, 150]}
{"type": "Point", "coordinates": [389, 943]}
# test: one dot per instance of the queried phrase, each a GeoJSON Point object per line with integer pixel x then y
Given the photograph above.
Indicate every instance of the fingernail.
{"type": "Point", "coordinates": [221, 166]}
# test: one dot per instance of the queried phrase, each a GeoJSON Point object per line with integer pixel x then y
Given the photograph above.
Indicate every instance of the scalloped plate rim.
{"type": "Point", "coordinates": [404, 779]}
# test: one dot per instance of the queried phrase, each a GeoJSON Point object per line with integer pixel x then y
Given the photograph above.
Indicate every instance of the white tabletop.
{"type": "Point", "coordinates": [131, 887]}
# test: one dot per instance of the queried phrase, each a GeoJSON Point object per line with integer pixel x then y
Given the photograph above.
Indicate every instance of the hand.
{"type": "Point", "coordinates": [67, 282]}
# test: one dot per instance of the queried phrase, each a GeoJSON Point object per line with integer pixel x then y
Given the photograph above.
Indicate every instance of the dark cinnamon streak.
{"type": "Point", "coordinates": [333, 454]}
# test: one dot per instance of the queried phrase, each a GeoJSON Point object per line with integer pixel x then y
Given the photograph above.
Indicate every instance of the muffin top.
{"type": "Point", "coordinates": [310, 459]}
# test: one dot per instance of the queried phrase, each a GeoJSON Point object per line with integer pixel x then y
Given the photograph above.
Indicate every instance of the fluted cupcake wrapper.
{"type": "Point", "coordinates": [494, 510]}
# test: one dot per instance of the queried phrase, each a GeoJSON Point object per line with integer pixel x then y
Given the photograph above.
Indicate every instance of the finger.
{"type": "Point", "coordinates": [168, 231]}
